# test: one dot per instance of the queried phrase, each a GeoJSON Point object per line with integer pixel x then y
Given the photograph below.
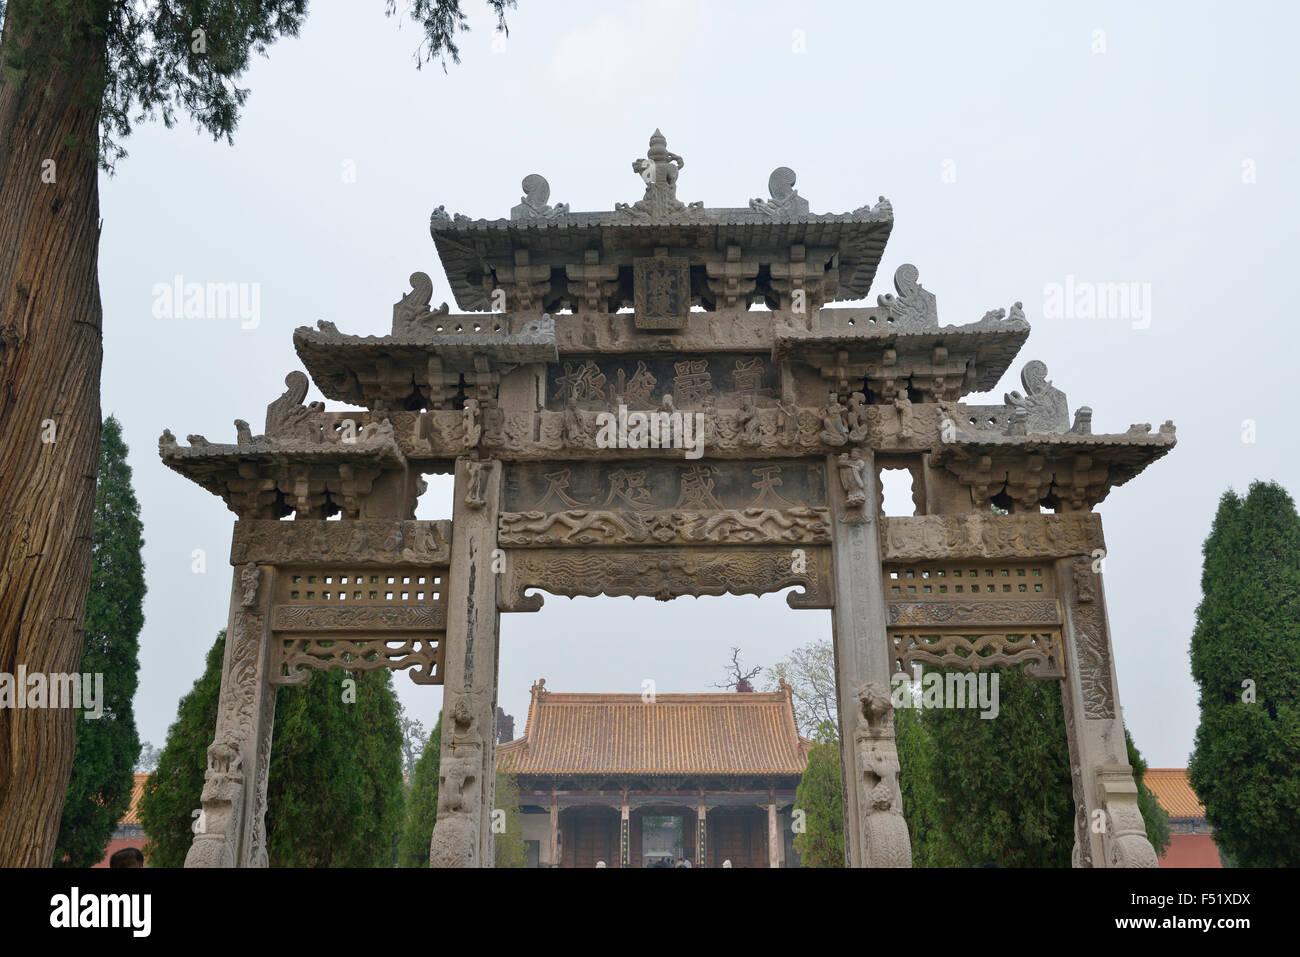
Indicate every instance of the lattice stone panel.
{"type": "Point", "coordinates": [331, 617]}
{"type": "Point", "coordinates": [386, 586]}
{"type": "Point", "coordinates": [969, 579]}
{"type": "Point", "coordinates": [1039, 652]}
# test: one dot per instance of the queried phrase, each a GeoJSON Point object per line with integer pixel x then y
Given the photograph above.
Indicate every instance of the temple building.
{"type": "Point", "coordinates": [637, 781]}
{"type": "Point", "coordinates": [1191, 839]}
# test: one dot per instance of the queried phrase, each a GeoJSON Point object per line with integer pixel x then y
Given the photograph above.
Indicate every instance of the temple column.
{"type": "Point", "coordinates": [230, 830]}
{"type": "Point", "coordinates": [462, 836]}
{"type": "Point", "coordinates": [555, 831]}
{"type": "Point", "coordinates": [1109, 831]}
{"type": "Point", "coordinates": [701, 839]}
{"type": "Point", "coordinates": [773, 837]}
{"type": "Point", "coordinates": [875, 834]}
{"type": "Point", "coordinates": [624, 834]}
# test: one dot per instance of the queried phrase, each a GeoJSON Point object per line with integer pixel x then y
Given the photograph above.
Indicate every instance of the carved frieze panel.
{"type": "Point", "coordinates": [359, 617]}
{"type": "Point", "coordinates": [359, 542]}
{"type": "Point", "coordinates": [295, 658]}
{"type": "Point", "coordinates": [660, 486]}
{"type": "Point", "coordinates": [662, 291]}
{"type": "Point", "coordinates": [581, 527]}
{"type": "Point", "coordinates": [666, 573]}
{"type": "Point", "coordinates": [1091, 644]}
{"type": "Point", "coordinates": [641, 382]}
{"type": "Point", "coordinates": [1038, 651]}
{"type": "Point", "coordinates": [967, 613]}
{"type": "Point", "coordinates": [939, 537]}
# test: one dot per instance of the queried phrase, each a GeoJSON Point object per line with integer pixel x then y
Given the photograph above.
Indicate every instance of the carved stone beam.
{"type": "Point", "coordinates": [665, 573]}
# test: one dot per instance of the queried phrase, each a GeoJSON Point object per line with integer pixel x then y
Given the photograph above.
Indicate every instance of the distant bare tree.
{"type": "Point", "coordinates": [810, 672]}
{"type": "Point", "coordinates": [737, 676]}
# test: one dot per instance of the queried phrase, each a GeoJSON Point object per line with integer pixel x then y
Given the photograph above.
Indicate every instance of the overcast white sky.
{"type": "Point", "coordinates": [1128, 165]}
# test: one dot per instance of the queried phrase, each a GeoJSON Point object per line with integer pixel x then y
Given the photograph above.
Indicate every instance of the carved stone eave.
{"type": "Point", "coordinates": [270, 479]}
{"type": "Point", "coordinates": [1078, 470]}
{"type": "Point", "coordinates": [471, 250]}
{"type": "Point", "coordinates": [395, 371]}
{"type": "Point", "coordinates": [947, 362]}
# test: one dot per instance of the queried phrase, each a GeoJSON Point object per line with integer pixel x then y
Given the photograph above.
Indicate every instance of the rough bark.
{"type": "Point", "coordinates": [50, 354]}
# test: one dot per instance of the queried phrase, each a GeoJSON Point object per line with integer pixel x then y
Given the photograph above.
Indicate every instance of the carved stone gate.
{"type": "Point", "coordinates": [622, 423]}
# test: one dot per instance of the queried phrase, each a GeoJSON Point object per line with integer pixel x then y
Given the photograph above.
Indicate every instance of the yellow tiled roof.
{"type": "Point", "coordinates": [1172, 789]}
{"type": "Point", "coordinates": [728, 733]}
{"type": "Point", "coordinates": [132, 815]}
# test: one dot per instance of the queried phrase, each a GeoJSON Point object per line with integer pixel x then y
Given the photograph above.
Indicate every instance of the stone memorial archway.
{"type": "Point", "coordinates": [607, 438]}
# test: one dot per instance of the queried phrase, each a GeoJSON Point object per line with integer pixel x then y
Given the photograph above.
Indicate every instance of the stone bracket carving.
{"type": "Point", "coordinates": [666, 573]}
{"type": "Point", "coordinates": [1038, 651]}
{"type": "Point", "coordinates": [661, 287]}
{"type": "Point", "coordinates": [583, 527]}
{"type": "Point", "coordinates": [947, 537]}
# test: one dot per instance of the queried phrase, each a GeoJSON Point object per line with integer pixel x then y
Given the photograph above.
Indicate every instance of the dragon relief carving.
{"type": "Point", "coordinates": [582, 527]}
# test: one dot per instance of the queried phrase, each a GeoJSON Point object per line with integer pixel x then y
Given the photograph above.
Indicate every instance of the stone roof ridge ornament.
{"type": "Point", "coordinates": [882, 209]}
{"type": "Point", "coordinates": [533, 204]}
{"type": "Point", "coordinates": [658, 170]}
{"type": "Point", "coordinates": [785, 200]}
{"type": "Point", "coordinates": [914, 308]}
{"type": "Point", "coordinates": [1042, 408]}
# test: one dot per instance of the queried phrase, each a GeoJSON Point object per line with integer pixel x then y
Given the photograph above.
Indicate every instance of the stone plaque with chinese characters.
{"type": "Point", "coordinates": [662, 286]}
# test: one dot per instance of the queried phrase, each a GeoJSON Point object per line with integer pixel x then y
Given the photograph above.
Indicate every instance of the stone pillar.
{"type": "Point", "coordinates": [1109, 831]}
{"type": "Point", "coordinates": [230, 830]}
{"type": "Point", "coordinates": [462, 836]}
{"type": "Point", "coordinates": [862, 660]}
{"type": "Point", "coordinates": [701, 840]}
{"type": "Point", "coordinates": [555, 831]}
{"type": "Point", "coordinates": [773, 838]}
{"type": "Point", "coordinates": [624, 835]}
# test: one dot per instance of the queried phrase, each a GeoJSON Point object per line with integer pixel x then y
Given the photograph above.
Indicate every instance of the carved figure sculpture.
{"type": "Point", "coordinates": [249, 578]}
{"type": "Point", "coordinates": [747, 421]}
{"type": "Point", "coordinates": [471, 429]}
{"type": "Point", "coordinates": [574, 433]}
{"type": "Point", "coordinates": [476, 494]}
{"type": "Point", "coordinates": [857, 417]}
{"type": "Point", "coordinates": [853, 478]}
{"type": "Point", "coordinates": [834, 431]}
{"type": "Point", "coordinates": [885, 842]}
{"type": "Point", "coordinates": [904, 406]}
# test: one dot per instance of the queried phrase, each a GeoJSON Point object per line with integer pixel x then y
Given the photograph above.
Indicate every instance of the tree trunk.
{"type": "Point", "coordinates": [50, 353]}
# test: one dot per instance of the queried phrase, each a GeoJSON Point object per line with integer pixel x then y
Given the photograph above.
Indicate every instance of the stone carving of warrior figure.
{"type": "Point", "coordinates": [471, 428]}
{"type": "Point", "coordinates": [249, 577]}
{"type": "Point", "coordinates": [574, 433]}
{"type": "Point", "coordinates": [790, 423]}
{"type": "Point", "coordinates": [834, 431]}
{"type": "Point", "coordinates": [1043, 403]}
{"type": "Point", "coordinates": [748, 422]}
{"type": "Point", "coordinates": [904, 406]}
{"type": "Point", "coordinates": [857, 417]}
{"type": "Point", "coordinates": [476, 494]}
{"type": "Point", "coordinates": [853, 478]}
